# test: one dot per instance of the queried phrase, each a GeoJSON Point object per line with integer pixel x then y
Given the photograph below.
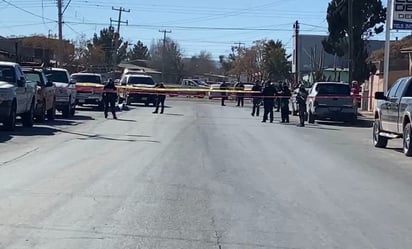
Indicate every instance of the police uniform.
{"type": "Point", "coordinates": [284, 104]}
{"type": "Point", "coordinates": [160, 100]}
{"type": "Point", "coordinates": [301, 100]}
{"type": "Point", "coordinates": [223, 87]}
{"type": "Point", "coordinates": [240, 96]}
{"type": "Point", "coordinates": [256, 99]}
{"type": "Point", "coordinates": [268, 101]}
{"type": "Point", "coordinates": [110, 98]}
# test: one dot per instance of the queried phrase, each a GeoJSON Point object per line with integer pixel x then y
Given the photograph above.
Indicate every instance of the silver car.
{"type": "Point", "coordinates": [331, 101]}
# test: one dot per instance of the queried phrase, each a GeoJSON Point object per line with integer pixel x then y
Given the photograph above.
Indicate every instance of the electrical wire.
{"type": "Point", "coordinates": [28, 12]}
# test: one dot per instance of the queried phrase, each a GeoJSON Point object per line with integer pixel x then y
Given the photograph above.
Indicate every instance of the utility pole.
{"type": "Point", "coordinates": [296, 27]}
{"type": "Point", "coordinates": [60, 24]}
{"type": "Point", "coordinates": [389, 16]}
{"type": "Point", "coordinates": [117, 34]}
{"type": "Point", "coordinates": [164, 51]}
{"type": "Point", "coordinates": [350, 37]}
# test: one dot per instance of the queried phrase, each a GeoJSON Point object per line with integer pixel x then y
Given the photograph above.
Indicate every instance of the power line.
{"type": "Point", "coordinates": [28, 12]}
{"type": "Point", "coordinates": [189, 27]}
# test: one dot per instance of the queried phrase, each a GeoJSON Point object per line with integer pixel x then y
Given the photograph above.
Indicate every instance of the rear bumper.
{"type": "Point", "coordinates": [5, 108]}
{"type": "Point", "coordinates": [89, 98]}
{"type": "Point", "coordinates": [141, 98]}
{"type": "Point", "coordinates": [335, 113]}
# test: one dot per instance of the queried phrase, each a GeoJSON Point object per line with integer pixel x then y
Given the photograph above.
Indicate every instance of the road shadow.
{"type": "Point", "coordinates": [399, 150]}
{"type": "Point", "coordinates": [318, 127]}
{"type": "Point", "coordinates": [174, 114]}
{"type": "Point", "coordinates": [361, 123]}
{"type": "Point", "coordinates": [27, 132]}
{"type": "Point", "coordinates": [125, 120]}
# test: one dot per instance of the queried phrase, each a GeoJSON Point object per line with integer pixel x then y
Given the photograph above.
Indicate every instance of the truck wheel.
{"type": "Point", "coordinates": [407, 135]}
{"type": "Point", "coordinates": [311, 118]}
{"type": "Point", "coordinates": [28, 117]}
{"type": "Point", "coordinates": [42, 116]}
{"type": "Point", "coordinates": [51, 114]}
{"type": "Point", "coordinates": [10, 123]}
{"type": "Point", "coordinates": [66, 111]}
{"type": "Point", "coordinates": [378, 140]}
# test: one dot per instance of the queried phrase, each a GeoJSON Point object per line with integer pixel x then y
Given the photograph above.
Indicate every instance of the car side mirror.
{"type": "Point", "coordinates": [21, 82]}
{"type": "Point", "coordinates": [49, 84]}
{"type": "Point", "coordinates": [72, 82]}
{"type": "Point", "coordinates": [380, 96]}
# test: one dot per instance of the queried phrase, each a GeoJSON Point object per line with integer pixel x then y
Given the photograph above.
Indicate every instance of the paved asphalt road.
{"type": "Point", "coordinates": [201, 176]}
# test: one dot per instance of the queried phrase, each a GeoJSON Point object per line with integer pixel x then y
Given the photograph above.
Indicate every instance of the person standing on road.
{"type": "Point", "coordinates": [110, 98]}
{"type": "Point", "coordinates": [301, 101]}
{"type": "Point", "coordinates": [240, 96]}
{"type": "Point", "coordinates": [223, 88]}
{"type": "Point", "coordinates": [285, 95]}
{"type": "Point", "coordinates": [160, 99]}
{"type": "Point", "coordinates": [268, 101]}
{"type": "Point", "coordinates": [256, 98]}
{"type": "Point", "coordinates": [278, 103]}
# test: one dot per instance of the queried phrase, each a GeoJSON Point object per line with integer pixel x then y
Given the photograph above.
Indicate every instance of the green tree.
{"type": "Point", "coordinates": [139, 52]}
{"type": "Point", "coordinates": [368, 19]}
{"type": "Point", "coordinates": [107, 41]}
{"type": "Point", "coordinates": [275, 60]}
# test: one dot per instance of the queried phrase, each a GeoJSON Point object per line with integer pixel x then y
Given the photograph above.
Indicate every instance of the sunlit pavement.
{"type": "Point", "coordinates": [201, 176]}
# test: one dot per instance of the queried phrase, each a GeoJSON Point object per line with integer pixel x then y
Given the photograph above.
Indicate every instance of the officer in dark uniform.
{"type": "Point", "coordinates": [268, 101]}
{"type": "Point", "coordinates": [285, 95]}
{"type": "Point", "coordinates": [278, 103]}
{"type": "Point", "coordinates": [256, 98]}
{"type": "Point", "coordinates": [301, 101]}
{"type": "Point", "coordinates": [110, 98]}
{"type": "Point", "coordinates": [223, 87]}
{"type": "Point", "coordinates": [240, 96]}
{"type": "Point", "coordinates": [160, 99]}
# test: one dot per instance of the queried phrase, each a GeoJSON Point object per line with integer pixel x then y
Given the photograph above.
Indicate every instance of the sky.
{"type": "Point", "coordinates": [212, 25]}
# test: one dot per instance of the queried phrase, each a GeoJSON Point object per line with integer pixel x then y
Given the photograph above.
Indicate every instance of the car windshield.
{"type": "Point", "coordinates": [33, 76]}
{"type": "Point", "coordinates": [333, 89]}
{"type": "Point", "coordinates": [7, 74]}
{"type": "Point", "coordinates": [134, 80]}
{"type": "Point", "coordinates": [87, 78]}
{"type": "Point", "coordinates": [57, 76]}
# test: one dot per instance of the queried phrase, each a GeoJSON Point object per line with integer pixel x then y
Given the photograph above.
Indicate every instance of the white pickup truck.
{"type": "Point", "coordinates": [17, 96]}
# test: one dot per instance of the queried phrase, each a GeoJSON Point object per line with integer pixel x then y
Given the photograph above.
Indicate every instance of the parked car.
{"type": "Point", "coordinates": [17, 96]}
{"type": "Point", "coordinates": [46, 94]}
{"type": "Point", "coordinates": [65, 90]}
{"type": "Point", "coordinates": [138, 81]}
{"type": "Point", "coordinates": [85, 95]}
{"type": "Point", "coordinates": [212, 94]}
{"type": "Point", "coordinates": [393, 115]}
{"type": "Point", "coordinates": [331, 101]}
{"type": "Point", "coordinates": [195, 84]}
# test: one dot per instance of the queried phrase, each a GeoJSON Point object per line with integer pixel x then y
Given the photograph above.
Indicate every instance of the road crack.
{"type": "Point", "coordinates": [19, 157]}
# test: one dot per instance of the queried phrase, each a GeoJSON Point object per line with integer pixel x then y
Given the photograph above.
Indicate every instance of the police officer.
{"type": "Point", "coordinates": [285, 95]}
{"type": "Point", "coordinates": [268, 101]}
{"type": "Point", "coordinates": [240, 96]}
{"type": "Point", "coordinates": [160, 100]}
{"type": "Point", "coordinates": [256, 98]}
{"type": "Point", "coordinates": [301, 101]}
{"type": "Point", "coordinates": [223, 87]}
{"type": "Point", "coordinates": [110, 98]}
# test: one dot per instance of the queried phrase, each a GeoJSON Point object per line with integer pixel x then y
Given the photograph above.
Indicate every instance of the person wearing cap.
{"type": "Point", "coordinates": [160, 100]}
{"type": "Point", "coordinates": [268, 101]}
{"type": "Point", "coordinates": [301, 101]}
{"type": "Point", "coordinates": [256, 98]}
{"type": "Point", "coordinates": [110, 98]}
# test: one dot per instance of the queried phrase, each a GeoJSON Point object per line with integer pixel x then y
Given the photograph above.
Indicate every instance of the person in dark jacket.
{"type": "Point", "coordinates": [268, 101]}
{"type": "Point", "coordinates": [285, 95]}
{"type": "Point", "coordinates": [223, 87]}
{"type": "Point", "coordinates": [278, 103]}
{"type": "Point", "coordinates": [256, 98]}
{"type": "Point", "coordinates": [240, 96]}
{"type": "Point", "coordinates": [110, 98]}
{"type": "Point", "coordinates": [301, 101]}
{"type": "Point", "coordinates": [160, 99]}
